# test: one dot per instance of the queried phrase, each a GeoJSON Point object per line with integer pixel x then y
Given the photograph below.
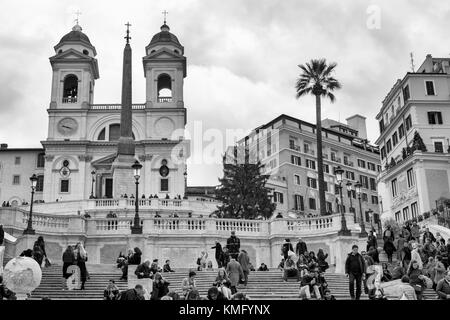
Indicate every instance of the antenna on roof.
{"type": "Point", "coordinates": [413, 67]}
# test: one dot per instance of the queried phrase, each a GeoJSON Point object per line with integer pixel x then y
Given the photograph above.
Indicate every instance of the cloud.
{"type": "Point", "coordinates": [242, 57]}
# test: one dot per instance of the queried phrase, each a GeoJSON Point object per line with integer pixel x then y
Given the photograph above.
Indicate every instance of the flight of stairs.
{"type": "Point", "coordinates": [261, 286]}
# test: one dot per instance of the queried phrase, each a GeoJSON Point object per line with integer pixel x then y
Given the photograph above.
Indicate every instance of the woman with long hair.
{"type": "Point", "coordinates": [221, 277]}
{"type": "Point", "coordinates": [68, 260]}
{"type": "Point", "coordinates": [81, 263]}
{"type": "Point", "coordinates": [416, 278]}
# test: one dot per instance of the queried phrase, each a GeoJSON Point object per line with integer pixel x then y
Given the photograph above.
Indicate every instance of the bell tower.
{"type": "Point", "coordinates": [75, 70]}
{"type": "Point", "coordinates": [165, 70]}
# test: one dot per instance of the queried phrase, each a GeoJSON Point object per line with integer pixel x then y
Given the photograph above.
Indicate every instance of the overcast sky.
{"type": "Point", "coordinates": [242, 56]}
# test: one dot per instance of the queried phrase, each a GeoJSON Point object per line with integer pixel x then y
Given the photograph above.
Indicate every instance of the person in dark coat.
{"type": "Point", "coordinates": [244, 261]}
{"type": "Point", "coordinates": [286, 247]}
{"type": "Point", "coordinates": [111, 292]}
{"type": "Point", "coordinates": [215, 294]}
{"type": "Point", "coordinates": [2, 235]}
{"type": "Point", "coordinates": [301, 248]}
{"type": "Point", "coordinates": [225, 257]}
{"type": "Point", "coordinates": [233, 245]}
{"type": "Point", "coordinates": [133, 294]}
{"type": "Point", "coordinates": [389, 248]}
{"type": "Point", "coordinates": [219, 253]}
{"type": "Point", "coordinates": [167, 268]}
{"type": "Point", "coordinates": [143, 270]}
{"type": "Point", "coordinates": [428, 235]}
{"type": "Point", "coordinates": [371, 241]}
{"type": "Point", "coordinates": [234, 271]}
{"type": "Point", "coordinates": [39, 250]}
{"type": "Point", "coordinates": [160, 287]}
{"type": "Point", "coordinates": [68, 259]}
{"type": "Point", "coordinates": [322, 260]}
{"type": "Point", "coordinates": [355, 269]}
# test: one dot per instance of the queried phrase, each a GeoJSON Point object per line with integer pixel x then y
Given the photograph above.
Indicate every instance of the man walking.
{"type": "Point", "coordinates": [355, 269]}
{"type": "Point", "coordinates": [244, 261]}
{"type": "Point", "coordinates": [301, 248]}
{"type": "Point", "coordinates": [233, 245]}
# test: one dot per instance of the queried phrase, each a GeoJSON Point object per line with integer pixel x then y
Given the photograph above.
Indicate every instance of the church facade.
{"type": "Point", "coordinates": [82, 139]}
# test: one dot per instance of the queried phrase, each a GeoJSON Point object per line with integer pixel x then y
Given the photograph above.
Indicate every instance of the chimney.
{"type": "Point", "coordinates": [358, 122]}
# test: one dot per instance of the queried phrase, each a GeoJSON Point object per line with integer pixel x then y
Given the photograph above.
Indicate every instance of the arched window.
{"type": "Point", "coordinates": [164, 88]}
{"type": "Point", "coordinates": [112, 132]}
{"type": "Point", "coordinates": [70, 91]}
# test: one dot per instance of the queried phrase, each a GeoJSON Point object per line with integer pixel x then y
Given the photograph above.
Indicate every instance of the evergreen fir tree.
{"type": "Point", "coordinates": [243, 193]}
{"type": "Point", "coordinates": [418, 143]}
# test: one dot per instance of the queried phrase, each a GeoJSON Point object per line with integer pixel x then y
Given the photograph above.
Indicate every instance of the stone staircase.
{"type": "Point", "coordinates": [261, 286]}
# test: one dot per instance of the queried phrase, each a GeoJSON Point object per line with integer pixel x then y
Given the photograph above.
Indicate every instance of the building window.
{"type": "Point", "coordinates": [388, 146]}
{"type": "Point", "coordinates": [397, 216]}
{"type": "Point", "coordinates": [298, 203]}
{"type": "Point", "coordinates": [364, 197]}
{"type": "Point", "coordinates": [296, 160]}
{"type": "Point", "coordinates": [411, 178]}
{"type": "Point", "coordinates": [306, 147]}
{"type": "Point", "coordinates": [371, 166]}
{"type": "Point", "coordinates": [364, 181]}
{"type": "Point", "coordinates": [383, 153]}
{"type": "Point", "coordinates": [361, 163]}
{"type": "Point", "coordinates": [394, 187]}
{"type": "Point", "coordinates": [434, 117]}
{"type": "Point", "coordinates": [70, 91]}
{"type": "Point", "coordinates": [325, 186]}
{"type": "Point", "coordinates": [40, 183]}
{"type": "Point", "coordinates": [373, 184]}
{"type": "Point", "coordinates": [406, 94]}
{"type": "Point", "coordinates": [329, 206]}
{"type": "Point", "coordinates": [430, 88]}
{"type": "Point", "coordinates": [278, 197]}
{"type": "Point", "coordinates": [311, 183]}
{"type": "Point", "coordinates": [414, 210]}
{"type": "Point", "coordinates": [374, 200]}
{"type": "Point", "coordinates": [311, 164]}
{"type": "Point", "coordinates": [381, 125]}
{"type": "Point", "coordinates": [64, 186]}
{"type": "Point", "coordinates": [406, 214]}
{"type": "Point", "coordinates": [326, 168]}
{"type": "Point", "coordinates": [164, 185]}
{"type": "Point", "coordinates": [408, 123]}
{"type": "Point", "coordinates": [394, 139]}
{"type": "Point", "coordinates": [378, 168]}
{"type": "Point", "coordinates": [40, 160]}
{"type": "Point", "coordinates": [17, 160]}
{"type": "Point", "coordinates": [401, 131]}
{"type": "Point", "coordinates": [350, 175]}
{"type": "Point", "coordinates": [312, 204]}
{"type": "Point", "coordinates": [297, 179]}
{"type": "Point", "coordinates": [438, 147]}
{"type": "Point", "coordinates": [164, 88]}
{"type": "Point", "coordinates": [16, 180]}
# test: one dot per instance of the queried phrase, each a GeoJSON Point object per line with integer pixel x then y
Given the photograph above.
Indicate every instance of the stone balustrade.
{"type": "Point", "coordinates": [76, 224]}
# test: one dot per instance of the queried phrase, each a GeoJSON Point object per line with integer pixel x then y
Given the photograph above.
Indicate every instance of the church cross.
{"type": "Point", "coordinates": [165, 13]}
{"type": "Point", "coordinates": [128, 32]}
{"type": "Point", "coordinates": [78, 14]}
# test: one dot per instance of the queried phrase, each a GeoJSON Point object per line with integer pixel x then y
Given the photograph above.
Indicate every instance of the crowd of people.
{"type": "Point", "coordinates": [421, 262]}
{"type": "Point", "coordinates": [307, 268]}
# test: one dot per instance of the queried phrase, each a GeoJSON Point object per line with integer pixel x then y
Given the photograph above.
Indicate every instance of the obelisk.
{"type": "Point", "coordinates": [123, 180]}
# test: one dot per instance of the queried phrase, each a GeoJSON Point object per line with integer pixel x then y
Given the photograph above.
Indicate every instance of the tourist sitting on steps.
{"type": "Point", "coordinates": [160, 287]}
{"type": "Point", "coordinates": [416, 279]}
{"type": "Point", "coordinates": [5, 293]}
{"type": "Point", "coordinates": [143, 270]}
{"type": "Point", "coordinates": [321, 260]}
{"type": "Point", "coordinates": [443, 287]}
{"type": "Point", "coordinates": [111, 292]}
{"type": "Point", "coordinates": [221, 277]}
{"type": "Point", "coordinates": [188, 284]}
{"type": "Point", "coordinates": [398, 271]}
{"type": "Point", "coordinates": [302, 267]}
{"type": "Point", "coordinates": [328, 296]}
{"type": "Point", "coordinates": [290, 270]}
{"type": "Point", "coordinates": [263, 267]}
{"type": "Point", "coordinates": [215, 294]}
{"type": "Point", "coordinates": [286, 247]}
{"type": "Point", "coordinates": [133, 294]}
{"type": "Point", "coordinates": [167, 268]}
{"type": "Point", "coordinates": [387, 276]}
{"type": "Point", "coordinates": [308, 285]}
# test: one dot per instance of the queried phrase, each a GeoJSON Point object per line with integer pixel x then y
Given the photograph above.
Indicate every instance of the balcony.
{"type": "Point", "coordinates": [70, 100]}
{"type": "Point", "coordinates": [295, 147]}
{"type": "Point", "coordinates": [338, 160]}
{"type": "Point", "coordinates": [140, 106]}
{"type": "Point", "coordinates": [164, 99]}
{"type": "Point", "coordinates": [311, 152]}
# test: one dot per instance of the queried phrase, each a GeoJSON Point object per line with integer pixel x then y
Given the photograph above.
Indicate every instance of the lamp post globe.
{"type": "Point", "coordinates": [136, 228]}
{"type": "Point", "coordinates": [339, 172]}
{"type": "Point", "coordinates": [29, 230]}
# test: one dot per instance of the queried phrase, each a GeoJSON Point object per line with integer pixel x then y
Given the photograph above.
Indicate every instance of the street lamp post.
{"type": "Point", "coordinates": [363, 233]}
{"type": "Point", "coordinates": [185, 183]}
{"type": "Point", "coordinates": [92, 187]}
{"type": "Point", "coordinates": [136, 228]}
{"type": "Point", "coordinates": [350, 189]}
{"type": "Point", "coordinates": [370, 212]}
{"type": "Point", "coordinates": [339, 177]}
{"type": "Point", "coordinates": [29, 230]}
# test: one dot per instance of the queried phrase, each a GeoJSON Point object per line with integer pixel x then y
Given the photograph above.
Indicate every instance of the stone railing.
{"type": "Point", "coordinates": [115, 106]}
{"type": "Point", "coordinates": [155, 204]}
{"type": "Point", "coordinates": [64, 225]}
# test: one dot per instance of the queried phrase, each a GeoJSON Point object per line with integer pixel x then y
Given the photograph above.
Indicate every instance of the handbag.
{"type": "Point", "coordinates": [48, 263]}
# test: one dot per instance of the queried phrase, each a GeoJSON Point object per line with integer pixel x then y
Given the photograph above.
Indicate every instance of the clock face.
{"type": "Point", "coordinates": [67, 126]}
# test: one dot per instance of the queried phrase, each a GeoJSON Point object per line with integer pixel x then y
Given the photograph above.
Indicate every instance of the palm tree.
{"type": "Point", "coordinates": [316, 79]}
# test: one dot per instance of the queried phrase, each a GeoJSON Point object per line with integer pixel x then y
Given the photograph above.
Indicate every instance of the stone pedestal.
{"type": "Point", "coordinates": [123, 176]}
{"type": "Point", "coordinates": [2, 253]}
{"type": "Point", "coordinates": [342, 246]}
